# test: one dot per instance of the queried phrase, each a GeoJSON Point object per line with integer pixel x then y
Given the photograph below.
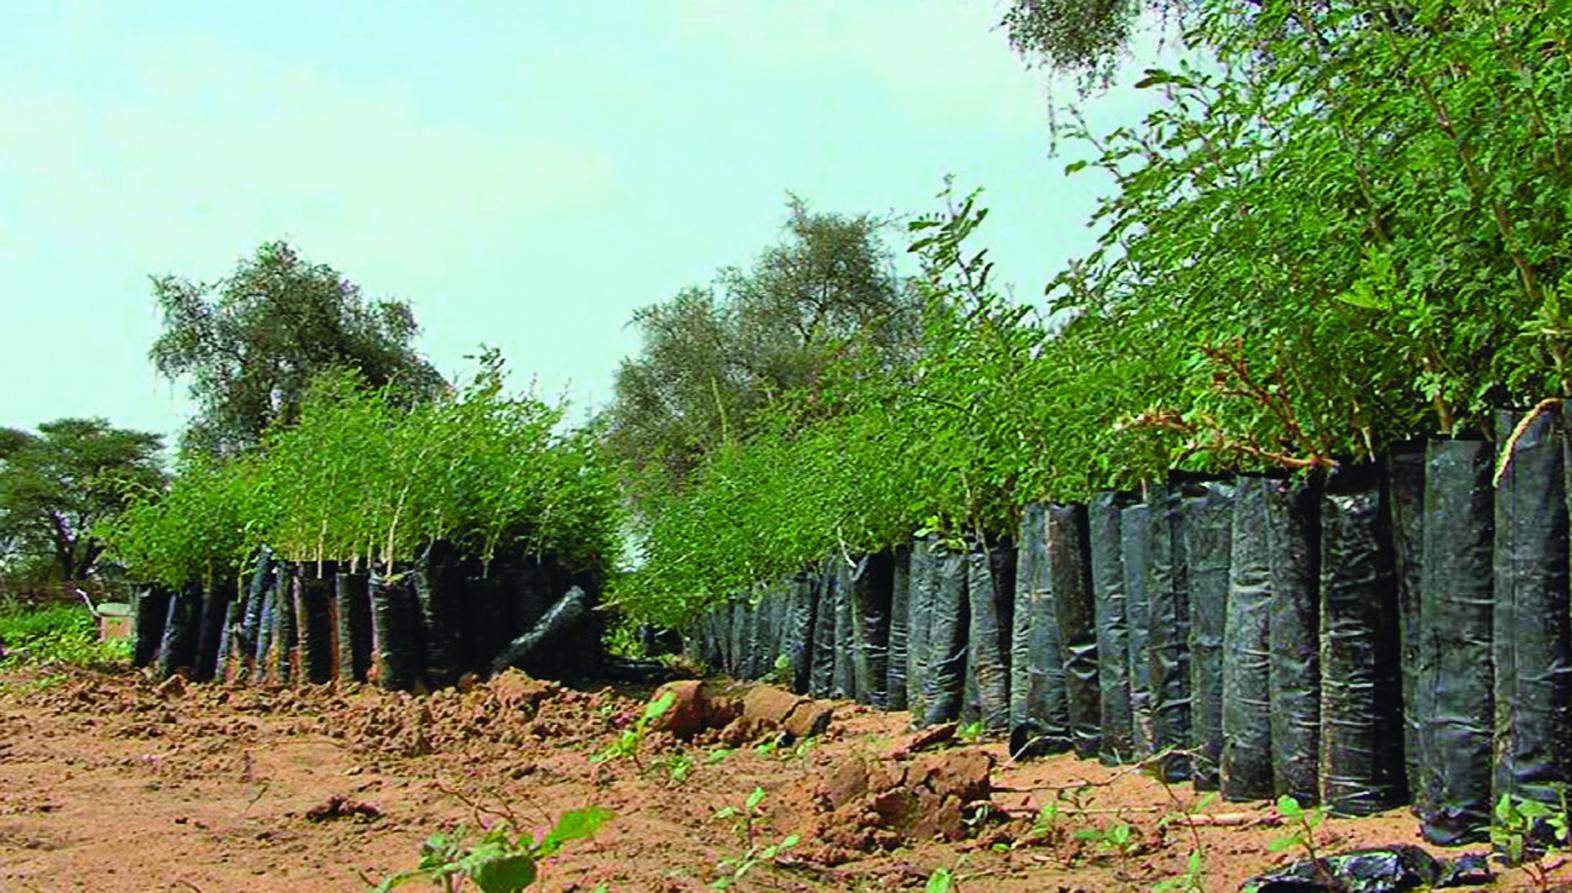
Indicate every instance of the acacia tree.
{"type": "Point", "coordinates": [250, 344]}
{"type": "Point", "coordinates": [57, 485]}
{"type": "Point", "coordinates": [713, 356]}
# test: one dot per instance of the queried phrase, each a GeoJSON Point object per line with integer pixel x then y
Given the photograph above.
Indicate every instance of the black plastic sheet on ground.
{"type": "Point", "coordinates": [395, 625]}
{"type": "Point", "coordinates": [1533, 658]}
{"type": "Point", "coordinates": [870, 601]}
{"type": "Point", "coordinates": [944, 683]}
{"type": "Point", "coordinates": [1208, 524]}
{"type": "Point", "coordinates": [551, 648]}
{"type": "Point", "coordinates": [1452, 691]}
{"type": "Point", "coordinates": [1105, 524]}
{"type": "Point", "coordinates": [989, 592]}
{"type": "Point", "coordinates": [900, 626]}
{"type": "Point", "coordinates": [1294, 541]}
{"type": "Point", "coordinates": [1134, 540]}
{"type": "Point", "coordinates": [1406, 499]}
{"type": "Point", "coordinates": [1168, 631]}
{"type": "Point", "coordinates": [1361, 696]}
{"type": "Point", "coordinates": [1069, 561]}
{"type": "Point", "coordinates": [1246, 769]}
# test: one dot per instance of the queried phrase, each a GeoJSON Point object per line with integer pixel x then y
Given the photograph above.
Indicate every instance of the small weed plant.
{"type": "Point", "coordinates": [500, 859]}
{"type": "Point", "coordinates": [632, 739]}
{"type": "Point", "coordinates": [970, 733]}
{"type": "Point", "coordinates": [732, 869]}
{"type": "Point", "coordinates": [1529, 834]}
{"type": "Point", "coordinates": [1302, 825]}
{"type": "Point", "coordinates": [55, 635]}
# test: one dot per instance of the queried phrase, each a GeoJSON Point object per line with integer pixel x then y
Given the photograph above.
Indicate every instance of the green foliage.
{"type": "Point", "coordinates": [251, 343]}
{"type": "Point", "coordinates": [627, 745]}
{"type": "Point", "coordinates": [359, 477]}
{"type": "Point", "coordinates": [58, 485]}
{"type": "Point", "coordinates": [1528, 833]}
{"type": "Point", "coordinates": [65, 635]}
{"type": "Point", "coordinates": [732, 869]}
{"type": "Point", "coordinates": [500, 860]}
{"type": "Point", "coordinates": [1302, 825]}
{"type": "Point", "coordinates": [970, 733]}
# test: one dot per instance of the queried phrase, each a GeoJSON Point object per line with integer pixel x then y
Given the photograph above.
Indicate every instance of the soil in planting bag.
{"type": "Point", "coordinates": [924, 581]}
{"type": "Point", "coordinates": [266, 623]}
{"type": "Point", "coordinates": [1040, 717]}
{"type": "Point", "coordinates": [210, 630]}
{"type": "Point", "coordinates": [395, 624]}
{"type": "Point", "coordinates": [1406, 498]}
{"type": "Point", "coordinates": [1208, 525]}
{"type": "Point", "coordinates": [844, 682]}
{"type": "Point", "coordinates": [353, 594]}
{"type": "Point", "coordinates": [439, 591]}
{"type": "Point", "coordinates": [944, 684]}
{"type": "Point", "coordinates": [822, 671]}
{"type": "Point", "coordinates": [1246, 769]}
{"type": "Point", "coordinates": [152, 609]}
{"type": "Point", "coordinates": [1135, 537]}
{"type": "Point", "coordinates": [1104, 517]}
{"type": "Point", "coordinates": [900, 626]}
{"type": "Point", "coordinates": [989, 631]}
{"type": "Point", "coordinates": [256, 595]}
{"type": "Point", "coordinates": [177, 650]}
{"type": "Point", "coordinates": [1361, 673]}
{"type": "Point", "coordinates": [1294, 541]}
{"type": "Point", "coordinates": [1533, 658]}
{"type": "Point", "coordinates": [1168, 632]}
{"type": "Point", "coordinates": [546, 651]}
{"type": "Point", "coordinates": [1453, 691]}
{"type": "Point", "coordinates": [1075, 611]}
{"type": "Point", "coordinates": [871, 598]}
{"type": "Point", "coordinates": [314, 616]}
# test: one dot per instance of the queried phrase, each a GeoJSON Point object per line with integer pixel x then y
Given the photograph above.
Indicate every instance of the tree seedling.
{"type": "Point", "coordinates": [1302, 824]}
{"type": "Point", "coordinates": [732, 869]}
{"type": "Point", "coordinates": [628, 744]}
{"type": "Point", "coordinates": [1519, 833]}
{"type": "Point", "coordinates": [501, 860]}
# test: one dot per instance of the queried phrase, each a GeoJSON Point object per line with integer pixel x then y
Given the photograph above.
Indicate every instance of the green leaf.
{"type": "Point", "coordinates": [578, 824]}
{"type": "Point", "coordinates": [507, 872]}
{"type": "Point", "coordinates": [755, 798]}
{"type": "Point", "coordinates": [940, 881]}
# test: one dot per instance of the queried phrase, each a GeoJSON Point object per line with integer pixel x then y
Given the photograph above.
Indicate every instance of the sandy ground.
{"type": "Point", "coordinates": [112, 783]}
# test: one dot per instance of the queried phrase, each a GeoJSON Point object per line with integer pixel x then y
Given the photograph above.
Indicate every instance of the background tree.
{"type": "Point", "coordinates": [251, 343]}
{"type": "Point", "coordinates": [57, 485]}
{"type": "Point", "coordinates": [713, 355]}
{"type": "Point", "coordinates": [1085, 39]}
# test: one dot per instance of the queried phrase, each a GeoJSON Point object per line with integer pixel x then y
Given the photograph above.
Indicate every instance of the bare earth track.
{"type": "Point", "coordinates": [112, 783]}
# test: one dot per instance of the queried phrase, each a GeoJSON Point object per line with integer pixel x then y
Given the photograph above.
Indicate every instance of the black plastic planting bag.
{"type": "Point", "coordinates": [1104, 516]}
{"type": "Point", "coordinates": [1135, 538]}
{"type": "Point", "coordinates": [1406, 498]}
{"type": "Point", "coordinates": [177, 650]}
{"type": "Point", "coordinates": [944, 683]}
{"type": "Point", "coordinates": [229, 639]}
{"type": "Point", "coordinates": [438, 583]}
{"type": "Point", "coordinates": [286, 631]}
{"type": "Point", "coordinates": [870, 607]}
{"type": "Point", "coordinates": [210, 630]}
{"type": "Point", "coordinates": [1039, 709]}
{"type": "Point", "coordinates": [1533, 657]}
{"type": "Point", "coordinates": [545, 650]}
{"type": "Point", "coordinates": [822, 677]}
{"type": "Point", "coordinates": [989, 632]}
{"type": "Point", "coordinates": [314, 617]}
{"type": "Point", "coordinates": [1452, 690]}
{"type": "Point", "coordinates": [844, 682]}
{"type": "Point", "coordinates": [1070, 580]}
{"type": "Point", "coordinates": [1294, 540]}
{"type": "Point", "coordinates": [395, 624]}
{"type": "Point", "coordinates": [924, 585]}
{"type": "Point", "coordinates": [1361, 682]}
{"type": "Point", "coordinates": [1168, 630]}
{"type": "Point", "coordinates": [1208, 525]}
{"type": "Point", "coordinates": [1246, 769]}
{"type": "Point", "coordinates": [353, 594]}
{"type": "Point", "coordinates": [797, 640]}
{"type": "Point", "coordinates": [256, 596]}
{"type": "Point", "coordinates": [741, 637]}
{"type": "Point", "coordinates": [267, 622]}
{"type": "Point", "coordinates": [152, 609]}
{"type": "Point", "coordinates": [900, 626]}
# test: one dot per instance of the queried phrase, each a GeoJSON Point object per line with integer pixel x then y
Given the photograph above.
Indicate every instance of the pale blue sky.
{"type": "Point", "coordinates": [524, 174]}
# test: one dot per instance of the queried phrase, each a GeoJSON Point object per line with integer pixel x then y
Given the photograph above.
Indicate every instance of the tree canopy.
{"type": "Point", "coordinates": [60, 484]}
{"type": "Point", "coordinates": [251, 343]}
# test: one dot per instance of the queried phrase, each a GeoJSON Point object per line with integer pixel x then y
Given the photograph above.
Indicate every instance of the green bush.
{"type": "Point", "coordinates": [56, 634]}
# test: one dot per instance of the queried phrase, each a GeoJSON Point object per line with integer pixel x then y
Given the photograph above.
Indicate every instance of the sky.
{"type": "Point", "coordinates": [525, 175]}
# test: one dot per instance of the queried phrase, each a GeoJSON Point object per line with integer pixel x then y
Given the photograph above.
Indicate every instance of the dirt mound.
{"type": "Point", "coordinates": [864, 804]}
{"type": "Point", "coordinates": [738, 713]}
